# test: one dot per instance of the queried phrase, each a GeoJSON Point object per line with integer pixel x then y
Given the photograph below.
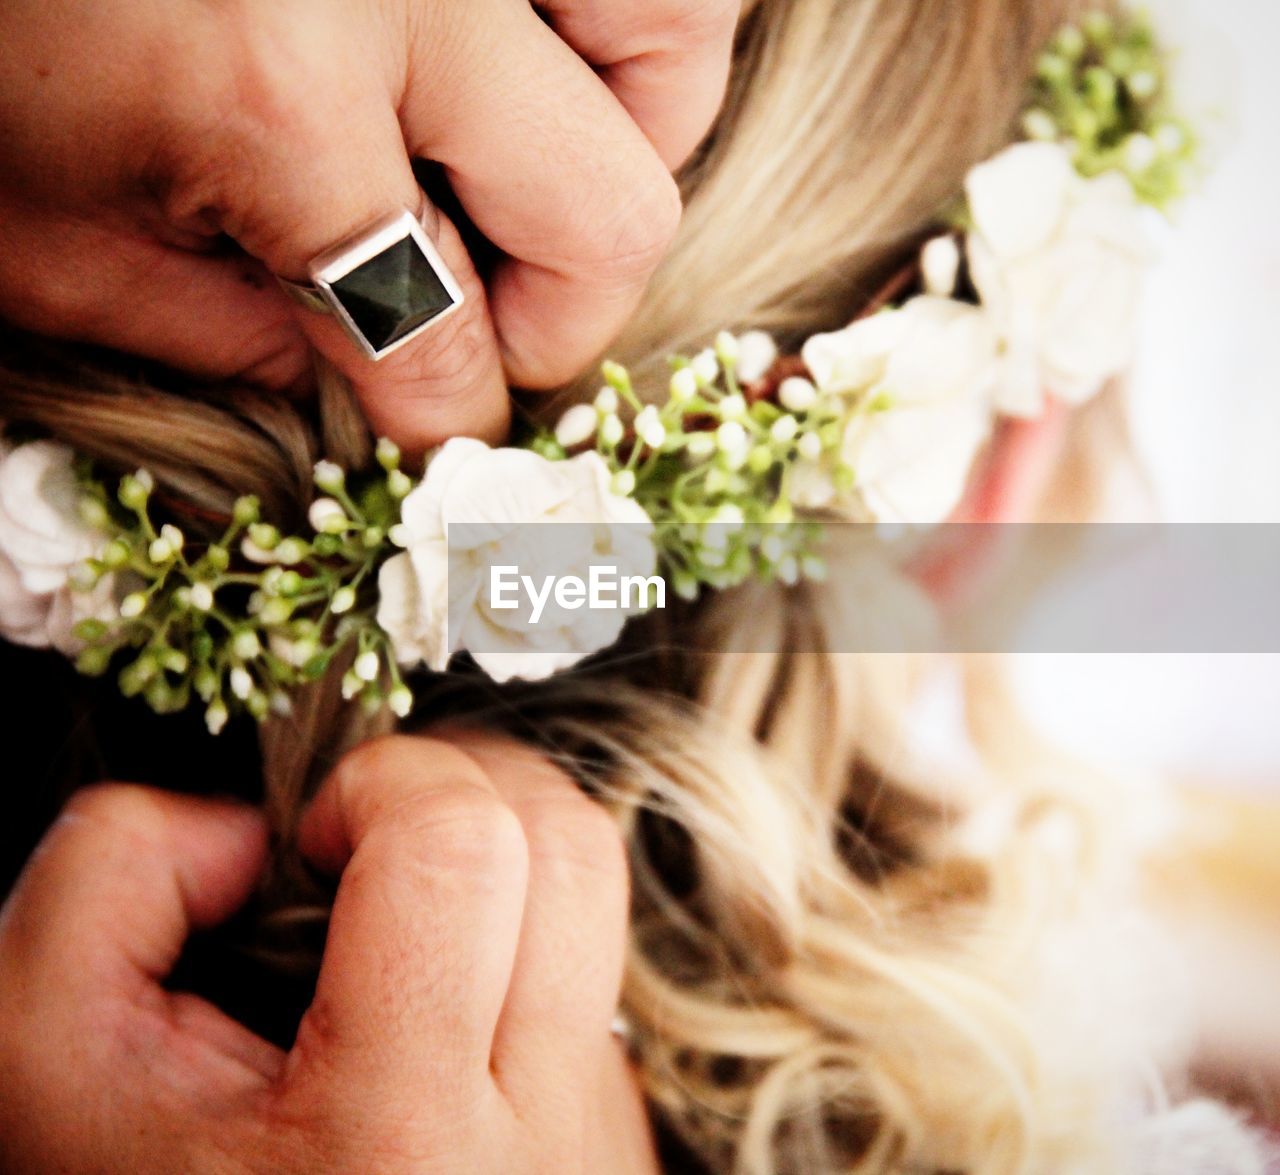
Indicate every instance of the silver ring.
{"type": "Point", "coordinates": [385, 284]}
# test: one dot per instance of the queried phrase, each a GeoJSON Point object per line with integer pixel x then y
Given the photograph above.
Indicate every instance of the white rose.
{"type": "Point", "coordinates": [494, 497]}
{"type": "Point", "coordinates": [919, 380]}
{"type": "Point", "coordinates": [42, 538]}
{"type": "Point", "coordinates": [1059, 262]}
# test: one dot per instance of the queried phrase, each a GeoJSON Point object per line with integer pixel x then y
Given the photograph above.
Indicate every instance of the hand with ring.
{"type": "Point", "coordinates": [136, 135]}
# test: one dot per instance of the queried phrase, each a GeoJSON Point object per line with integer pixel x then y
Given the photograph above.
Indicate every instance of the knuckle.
{"type": "Point", "coordinates": [120, 805]}
{"type": "Point", "coordinates": [472, 830]}
{"type": "Point", "coordinates": [699, 20]}
{"type": "Point", "coordinates": [642, 230]}
{"type": "Point", "coordinates": [52, 301]}
{"type": "Point", "coordinates": [577, 836]}
{"type": "Point", "coordinates": [374, 763]}
{"type": "Point", "coordinates": [455, 360]}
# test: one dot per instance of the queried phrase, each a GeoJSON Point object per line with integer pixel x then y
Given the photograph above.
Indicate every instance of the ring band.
{"type": "Point", "coordinates": [385, 284]}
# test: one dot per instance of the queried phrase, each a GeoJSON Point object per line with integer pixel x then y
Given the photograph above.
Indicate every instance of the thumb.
{"type": "Point", "coordinates": [120, 880]}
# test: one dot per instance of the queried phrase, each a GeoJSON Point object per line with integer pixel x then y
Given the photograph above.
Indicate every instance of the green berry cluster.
{"type": "Point", "coordinates": [1100, 87]}
{"type": "Point", "coordinates": [710, 465]}
{"type": "Point", "coordinates": [238, 622]}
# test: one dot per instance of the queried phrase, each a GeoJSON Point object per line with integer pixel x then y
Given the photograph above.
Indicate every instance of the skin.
{"type": "Point", "coordinates": [137, 134]}
{"type": "Point", "coordinates": [462, 1018]}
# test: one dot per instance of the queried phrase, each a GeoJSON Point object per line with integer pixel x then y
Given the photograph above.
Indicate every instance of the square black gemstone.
{"type": "Point", "coordinates": [392, 294]}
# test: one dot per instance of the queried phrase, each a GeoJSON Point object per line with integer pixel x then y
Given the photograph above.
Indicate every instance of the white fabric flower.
{"type": "Point", "coordinates": [493, 498]}
{"type": "Point", "coordinates": [1058, 261]}
{"type": "Point", "coordinates": [42, 539]}
{"type": "Point", "coordinates": [919, 382]}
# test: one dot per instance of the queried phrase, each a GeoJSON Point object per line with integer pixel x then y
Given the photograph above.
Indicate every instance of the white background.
{"type": "Point", "coordinates": [1205, 409]}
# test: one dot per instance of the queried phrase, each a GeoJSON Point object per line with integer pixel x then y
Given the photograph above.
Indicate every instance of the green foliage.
{"type": "Point", "coordinates": [1101, 88]}
{"type": "Point", "coordinates": [236, 624]}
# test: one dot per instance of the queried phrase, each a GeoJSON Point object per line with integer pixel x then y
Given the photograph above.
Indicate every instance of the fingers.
{"type": "Point", "coordinates": [424, 927]}
{"type": "Point", "coordinates": [317, 158]}
{"type": "Point", "coordinates": [108, 899]}
{"type": "Point", "coordinates": [217, 317]}
{"type": "Point", "coordinates": [480, 923]}
{"type": "Point", "coordinates": [552, 169]}
{"type": "Point", "coordinates": [568, 970]}
{"type": "Point", "coordinates": [666, 61]}
{"type": "Point", "coordinates": [104, 1068]}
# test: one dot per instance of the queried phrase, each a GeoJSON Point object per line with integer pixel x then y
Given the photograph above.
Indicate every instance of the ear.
{"type": "Point", "coordinates": [1006, 487]}
{"type": "Point", "coordinates": [1017, 468]}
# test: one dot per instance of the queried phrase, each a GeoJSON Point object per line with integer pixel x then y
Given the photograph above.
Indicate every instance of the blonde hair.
{"type": "Point", "coordinates": [820, 978]}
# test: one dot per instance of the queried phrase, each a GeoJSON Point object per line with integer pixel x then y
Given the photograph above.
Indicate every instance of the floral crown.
{"type": "Point", "coordinates": [1030, 288]}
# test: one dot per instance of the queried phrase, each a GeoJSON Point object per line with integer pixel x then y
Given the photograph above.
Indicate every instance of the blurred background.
{"type": "Point", "coordinates": [1205, 413]}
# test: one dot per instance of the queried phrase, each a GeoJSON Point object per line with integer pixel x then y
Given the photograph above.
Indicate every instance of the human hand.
{"type": "Point", "coordinates": [462, 1016]}
{"type": "Point", "coordinates": [134, 132]}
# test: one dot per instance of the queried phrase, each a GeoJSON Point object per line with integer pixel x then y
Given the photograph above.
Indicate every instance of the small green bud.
{"type": "Point", "coordinates": [1120, 62]}
{"type": "Point", "coordinates": [1053, 68]}
{"type": "Point", "coordinates": [327, 516]}
{"type": "Point", "coordinates": [134, 491]}
{"type": "Point", "coordinates": [329, 477]}
{"type": "Point", "coordinates": [201, 597]}
{"type": "Point", "coordinates": [173, 661]}
{"type": "Point", "coordinates": [760, 459]}
{"type": "Point", "coordinates": [217, 559]}
{"type": "Point", "coordinates": [326, 545]}
{"type": "Point", "coordinates": [290, 583]}
{"type": "Point", "coordinates": [247, 510]}
{"type": "Point", "coordinates": [1040, 125]}
{"type": "Point", "coordinates": [135, 676]}
{"type": "Point", "coordinates": [115, 554]}
{"type": "Point", "coordinates": [93, 513]}
{"type": "Point", "coordinates": [264, 535]}
{"type": "Point", "coordinates": [373, 537]}
{"type": "Point", "coordinates": [202, 646]}
{"type": "Point", "coordinates": [726, 348]}
{"type": "Point", "coordinates": [133, 605]}
{"type": "Point", "coordinates": [398, 484]}
{"type": "Point", "coordinates": [388, 454]}
{"type": "Point", "coordinates": [215, 717]}
{"type": "Point", "coordinates": [94, 661]}
{"type": "Point", "coordinates": [205, 682]}
{"type": "Point", "coordinates": [1070, 43]}
{"type": "Point", "coordinates": [1143, 84]}
{"type": "Point", "coordinates": [258, 704]}
{"type": "Point", "coordinates": [615, 375]}
{"type": "Point", "coordinates": [292, 550]}
{"type": "Point", "coordinates": [275, 612]}
{"type": "Point", "coordinates": [344, 599]}
{"type": "Point", "coordinates": [241, 682]}
{"type": "Point", "coordinates": [367, 666]}
{"type": "Point", "coordinates": [400, 699]}
{"type": "Point", "coordinates": [159, 695]}
{"type": "Point", "coordinates": [1101, 88]}
{"type": "Point", "coordinates": [245, 644]}
{"type": "Point", "coordinates": [685, 585]}
{"type": "Point", "coordinates": [1097, 26]}
{"type": "Point", "coordinates": [84, 576]}
{"type": "Point", "coordinates": [90, 630]}
{"type": "Point", "coordinates": [160, 551]}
